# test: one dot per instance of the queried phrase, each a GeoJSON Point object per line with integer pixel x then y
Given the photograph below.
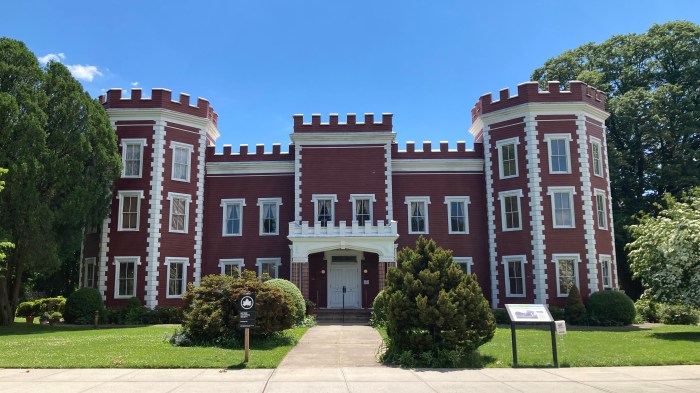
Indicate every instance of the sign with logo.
{"type": "Point", "coordinates": [529, 313]}
{"type": "Point", "coordinates": [246, 311]}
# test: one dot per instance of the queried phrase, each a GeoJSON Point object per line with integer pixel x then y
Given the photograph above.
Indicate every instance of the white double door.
{"type": "Point", "coordinates": [344, 279]}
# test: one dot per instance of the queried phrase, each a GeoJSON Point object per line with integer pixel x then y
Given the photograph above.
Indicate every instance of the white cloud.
{"type": "Point", "coordinates": [52, 56]}
{"type": "Point", "coordinates": [84, 72]}
{"type": "Point", "coordinates": [134, 84]}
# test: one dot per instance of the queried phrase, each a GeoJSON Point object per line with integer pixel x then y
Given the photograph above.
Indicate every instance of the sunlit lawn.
{"type": "Point", "coordinates": [62, 346]}
{"type": "Point", "coordinates": [631, 346]}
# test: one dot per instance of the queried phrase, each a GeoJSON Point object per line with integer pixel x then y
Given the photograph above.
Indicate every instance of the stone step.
{"type": "Point", "coordinates": [335, 316]}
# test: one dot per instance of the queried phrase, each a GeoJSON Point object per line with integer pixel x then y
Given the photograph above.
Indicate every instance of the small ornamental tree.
{"type": "Point", "coordinates": [436, 314]}
{"type": "Point", "coordinates": [575, 310]}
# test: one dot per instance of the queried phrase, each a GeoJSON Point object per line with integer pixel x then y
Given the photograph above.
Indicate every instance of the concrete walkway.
{"type": "Point", "coordinates": [354, 379]}
{"type": "Point", "coordinates": [335, 346]}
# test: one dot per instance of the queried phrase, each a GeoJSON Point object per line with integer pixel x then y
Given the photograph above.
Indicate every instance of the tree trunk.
{"type": "Point", "coordinates": [7, 310]}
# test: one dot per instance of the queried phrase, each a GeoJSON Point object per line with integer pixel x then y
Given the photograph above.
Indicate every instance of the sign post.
{"type": "Point", "coordinates": [246, 319]}
{"type": "Point", "coordinates": [531, 313]}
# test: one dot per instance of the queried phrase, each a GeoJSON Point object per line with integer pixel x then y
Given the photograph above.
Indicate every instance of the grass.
{"type": "Point", "coordinates": [626, 346]}
{"type": "Point", "coordinates": [64, 346]}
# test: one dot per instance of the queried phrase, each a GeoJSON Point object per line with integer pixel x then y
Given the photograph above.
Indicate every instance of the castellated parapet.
{"type": "Point", "coordinates": [530, 92]}
{"type": "Point", "coordinates": [160, 98]}
{"type": "Point", "coordinates": [350, 125]}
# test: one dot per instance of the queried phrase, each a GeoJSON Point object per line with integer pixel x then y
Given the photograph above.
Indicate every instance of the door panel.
{"type": "Point", "coordinates": [344, 275]}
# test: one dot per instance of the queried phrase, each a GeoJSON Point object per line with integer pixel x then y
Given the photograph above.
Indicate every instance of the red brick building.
{"type": "Point", "coordinates": [527, 210]}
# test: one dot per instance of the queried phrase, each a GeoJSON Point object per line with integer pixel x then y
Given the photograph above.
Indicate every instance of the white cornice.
{"type": "Point", "coordinates": [538, 109]}
{"type": "Point", "coordinates": [344, 138]}
{"type": "Point", "coordinates": [160, 114]}
{"type": "Point", "coordinates": [438, 165]}
{"type": "Point", "coordinates": [250, 167]}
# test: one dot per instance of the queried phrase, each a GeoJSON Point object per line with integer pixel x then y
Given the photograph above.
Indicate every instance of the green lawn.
{"type": "Point", "coordinates": [663, 345]}
{"type": "Point", "coordinates": [37, 346]}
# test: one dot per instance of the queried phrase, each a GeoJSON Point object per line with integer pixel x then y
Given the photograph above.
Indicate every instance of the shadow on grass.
{"type": "Point", "coordinates": [677, 336]}
{"type": "Point", "coordinates": [21, 328]}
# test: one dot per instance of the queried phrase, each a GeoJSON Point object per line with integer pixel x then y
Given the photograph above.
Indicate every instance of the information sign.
{"type": "Point", "coordinates": [528, 313]}
{"type": "Point", "coordinates": [246, 311]}
{"type": "Point", "coordinates": [561, 327]}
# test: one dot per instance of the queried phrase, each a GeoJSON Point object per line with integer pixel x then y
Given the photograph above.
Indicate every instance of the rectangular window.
{"type": "Point", "coordinates": [132, 157]}
{"type": "Point", "coordinates": [269, 215]}
{"type": "Point", "coordinates": [457, 217]}
{"type": "Point", "coordinates": [179, 212]}
{"type": "Point", "coordinates": [417, 214]}
{"type": "Point", "coordinates": [324, 207]}
{"type": "Point", "coordinates": [231, 267]}
{"type": "Point", "coordinates": [510, 210]}
{"type": "Point", "coordinates": [90, 280]}
{"type": "Point", "coordinates": [269, 266]}
{"type": "Point", "coordinates": [362, 207]}
{"type": "Point", "coordinates": [515, 275]}
{"type": "Point", "coordinates": [601, 209]}
{"type": "Point", "coordinates": [508, 157]}
{"type": "Point", "coordinates": [232, 216]}
{"type": "Point", "coordinates": [562, 206]}
{"type": "Point", "coordinates": [465, 263]}
{"type": "Point", "coordinates": [182, 154]}
{"type": "Point", "coordinates": [558, 152]}
{"type": "Point", "coordinates": [606, 264]}
{"type": "Point", "coordinates": [126, 277]}
{"type": "Point", "coordinates": [129, 207]}
{"type": "Point", "coordinates": [596, 154]}
{"type": "Point", "coordinates": [567, 274]}
{"type": "Point", "coordinates": [177, 270]}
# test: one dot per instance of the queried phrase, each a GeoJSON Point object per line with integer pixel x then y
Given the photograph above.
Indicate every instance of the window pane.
{"type": "Point", "coordinates": [508, 156]}
{"type": "Point", "coordinates": [176, 279]}
{"type": "Point", "coordinates": [269, 218]}
{"type": "Point", "coordinates": [417, 217]}
{"type": "Point", "coordinates": [566, 275]}
{"type": "Point", "coordinates": [559, 158]}
{"type": "Point", "coordinates": [515, 275]}
{"type": "Point", "coordinates": [324, 211]}
{"type": "Point", "coordinates": [362, 211]}
{"type": "Point", "coordinates": [233, 220]}
{"type": "Point", "coordinates": [511, 212]}
{"type": "Point", "coordinates": [457, 219]}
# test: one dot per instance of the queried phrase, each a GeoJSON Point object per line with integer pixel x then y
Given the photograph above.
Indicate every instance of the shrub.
{"type": "Point", "coordinates": [26, 309]}
{"type": "Point", "coordinates": [678, 314]}
{"type": "Point", "coordinates": [557, 313]}
{"type": "Point", "coordinates": [647, 309]}
{"type": "Point", "coordinates": [297, 298]}
{"type": "Point", "coordinates": [167, 314]}
{"type": "Point", "coordinates": [434, 310]}
{"type": "Point", "coordinates": [378, 317]}
{"type": "Point", "coordinates": [55, 317]}
{"type": "Point", "coordinates": [610, 308]}
{"type": "Point", "coordinates": [81, 306]}
{"type": "Point", "coordinates": [210, 315]}
{"type": "Point", "coordinates": [51, 304]}
{"type": "Point", "coordinates": [501, 316]}
{"type": "Point", "coordinates": [575, 310]}
{"type": "Point", "coordinates": [115, 315]}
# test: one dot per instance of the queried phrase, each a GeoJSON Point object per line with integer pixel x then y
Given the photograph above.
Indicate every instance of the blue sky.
{"type": "Point", "coordinates": [260, 62]}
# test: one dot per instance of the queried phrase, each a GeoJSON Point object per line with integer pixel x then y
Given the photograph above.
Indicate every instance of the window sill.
{"type": "Point", "coordinates": [180, 180]}
{"type": "Point", "coordinates": [127, 230]}
{"type": "Point", "coordinates": [231, 234]}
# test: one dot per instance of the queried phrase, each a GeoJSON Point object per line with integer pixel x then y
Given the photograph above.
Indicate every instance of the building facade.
{"type": "Point", "coordinates": [528, 210]}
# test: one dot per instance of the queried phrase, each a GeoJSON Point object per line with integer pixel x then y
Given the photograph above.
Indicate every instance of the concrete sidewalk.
{"type": "Point", "coordinates": [354, 379]}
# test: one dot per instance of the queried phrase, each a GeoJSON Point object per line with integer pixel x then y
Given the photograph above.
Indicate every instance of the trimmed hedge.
{"type": "Point", "coordinates": [678, 314]}
{"type": "Point", "coordinates": [81, 306]}
{"type": "Point", "coordinates": [297, 298]}
{"type": "Point", "coordinates": [611, 308]}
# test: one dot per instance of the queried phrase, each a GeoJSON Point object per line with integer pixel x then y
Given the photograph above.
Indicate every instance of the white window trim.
{"type": "Point", "coordinates": [127, 193]}
{"type": "Point", "coordinates": [597, 142]}
{"type": "Point", "coordinates": [502, 197]}
{"type": "Point", "coordinates": [598, 192]}
{"type": "Point", "coordinates": [572, 191]}
{"type": "Point", "coordinates": [518, 258]}
{"type": "Point", "coordinates": [460, 199]}
{"type": "Point", "coordinates": [426, 201]}
{"type": "Point", "coordinates": [117, 263]}
{"type": "Point", "coordinates": [606, 259]}
{"type": "Point", "coordinates": [464, 261]}
{"type": "Point", "coordinates": [548, 138]}
{"type": "Point", "coordinates": [499, 144]}
{"type": "Point", "coordinates": [231, 262]}
{"type": "Point", "coordinates": [132, 141]}
{"type": "Point", "coordinates": [555, 260]}
{"type": "Point", "coordinates": [188, 198]}
{"type": "Point", "coordinates": [261, 203]}
{"type": "Point", "coordinates": [175, 145]}
{"type": "Point", "coordinates": [323, 197]}
{"type": "Point", "coordinates": [225, 203]}
{"type": "Point", "coordinates": [185, 263]}
{"type": "Point", "coordinates": [277, 261]}
{"type": "Point", "coordinates": [90, 261]}
{"type": "Point", "coordinates": [372, 199]}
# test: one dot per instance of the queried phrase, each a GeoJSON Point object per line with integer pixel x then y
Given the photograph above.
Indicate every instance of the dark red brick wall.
{"type": "Point", "coordinates": [318, 282]}
{"type": "Point", "coordinates": [356, 169]}
{"type": "Point", "coordinates": [369, 291]}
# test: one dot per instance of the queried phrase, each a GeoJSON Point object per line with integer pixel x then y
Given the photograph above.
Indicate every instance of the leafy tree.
{"type": "Point", "coordinates": [62, 157]}
{"type": "Point", "coordinates": [665, 253]}
{"type": "Point", "coordinates": [434, 310]}
{"type": "Point", "coordinates": [652, 82]}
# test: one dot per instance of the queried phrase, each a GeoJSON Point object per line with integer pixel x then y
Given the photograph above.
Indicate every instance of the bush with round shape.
{"type": "Point", "coordinates": [81, 306]}
{"type": "Point", "coordinates": [610, 308]}
{"type": "Point", "coordinates": [25, 309]}
{"type": "Point", "coordinates": [575, 310]}
{"type": "Point", "coordinates": [436, 314]}
{"type": "Point", "coordinates": [51, 304]}
{"type": "Point", "coordinates": [501, 316]}
{"type": "Point", "coordinates": [678, 314]}
{"type": "Point", "coordinates": [378, 317]}
{"type": "Point", "coordinates": [647, 310]}
{"type": "Point", "coordinates": [297, 298]}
